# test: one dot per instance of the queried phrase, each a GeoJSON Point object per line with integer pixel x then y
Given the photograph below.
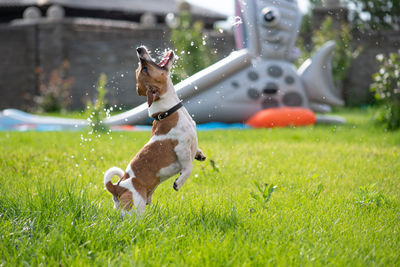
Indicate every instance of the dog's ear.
{"type": "Point", "coordinates": [153, 94]}
{"type": "Point", "coordinates": [168, 60]}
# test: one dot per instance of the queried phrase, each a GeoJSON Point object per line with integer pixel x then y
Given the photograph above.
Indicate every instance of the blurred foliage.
{"type": "Point", "coordinates": [97, 111]}
{"type": "Point", "coordinates": [344, 50]}
{"type": "Point", "coordinates": [306, 25]}
{"type": "Point", "coordinates": [314, 3]}
{"type": "Point", "coordinates": [54, 94]}
{"type": "Point", "coordinates": [386, 86]}
{"type": "Point", "coordinates": [190, 43]}
{"type": "Point", "coordinates": [382, 14]}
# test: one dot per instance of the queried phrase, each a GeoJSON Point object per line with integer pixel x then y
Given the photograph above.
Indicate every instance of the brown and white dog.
{"type": "Point", "coordinates": [172, 146]}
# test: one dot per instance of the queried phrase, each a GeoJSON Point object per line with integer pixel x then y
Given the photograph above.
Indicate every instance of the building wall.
{"type": "Point", "coordinates": [17, 66]}
{"type": "Point", "coordinates": [92, 50]}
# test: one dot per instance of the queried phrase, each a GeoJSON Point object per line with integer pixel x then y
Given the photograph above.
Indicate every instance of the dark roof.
{"type": "Point", "coordinates": [11, 3]}
{"type": "Point", "coordinates": [157, 7]}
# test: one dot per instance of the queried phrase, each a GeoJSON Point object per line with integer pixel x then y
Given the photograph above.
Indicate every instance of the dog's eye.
{"type": "Point", "coordinates": [144, 69]}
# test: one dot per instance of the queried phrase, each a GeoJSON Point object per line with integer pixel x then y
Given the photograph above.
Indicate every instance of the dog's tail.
{"type": "Point", "coordinates": [109, 174]}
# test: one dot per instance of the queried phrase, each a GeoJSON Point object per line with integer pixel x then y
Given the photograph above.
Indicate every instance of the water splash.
{"type": "Point", "coordinates": [237, 21]}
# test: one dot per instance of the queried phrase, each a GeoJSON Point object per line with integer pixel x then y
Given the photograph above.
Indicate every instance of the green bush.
{"type": "Point", "coordinates": [97, 111]}
{"type": "Point", "coordinates": [193, 51]}
{"type": "Point", "coordinates": [344, 51]}
{"type": "Point", "coordinates": [386, 86]}
{"type": "Point", "coordinates": [381, 14]}
{"type": "Point", "coordinates": [54, 92]}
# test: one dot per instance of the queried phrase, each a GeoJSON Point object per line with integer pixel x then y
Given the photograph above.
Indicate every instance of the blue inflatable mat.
{"type": "Point", "coordinates": [221, 126]}
{"type": "Point", "coordinates": [11, 124]}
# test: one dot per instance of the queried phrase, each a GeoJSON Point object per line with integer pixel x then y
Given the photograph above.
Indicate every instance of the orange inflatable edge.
{"type": "Point", "coordinates": [282, 117]}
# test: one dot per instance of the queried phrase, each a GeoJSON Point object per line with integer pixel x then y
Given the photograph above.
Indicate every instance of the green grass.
{"type": "Point", "coordinates": [336, 201]}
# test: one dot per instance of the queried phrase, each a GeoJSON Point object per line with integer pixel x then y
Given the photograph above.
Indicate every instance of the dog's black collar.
{"type": "Point", "coordinates": [162, 115]}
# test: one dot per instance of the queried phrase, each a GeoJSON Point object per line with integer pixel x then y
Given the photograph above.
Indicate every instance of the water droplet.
{"type": "Point", "coordinates": [237, 21]}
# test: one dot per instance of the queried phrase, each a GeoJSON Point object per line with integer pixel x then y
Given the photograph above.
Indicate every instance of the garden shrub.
{"type": "Point", "coordinates": [55, 92]}
{"type": "Point", "coordinates": [344, 51]}
{"type": "Point", "coordinates": [97, 111]}
{"type": "Point", "coordinates": [190, 43]}
{"type": "Point", "coordinates": [377, 14]}
{"type": "Point", "coordinates": [386, 86]}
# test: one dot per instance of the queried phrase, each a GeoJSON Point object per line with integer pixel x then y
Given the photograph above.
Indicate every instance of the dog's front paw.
{"type": "Point", "coordinates": [200, 156]}
{"type": "Point", "coordinates": [175, 186]}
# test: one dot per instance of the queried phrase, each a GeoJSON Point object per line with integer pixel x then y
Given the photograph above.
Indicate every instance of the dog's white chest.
{"type": "Point", "coordinates": [185, 133]}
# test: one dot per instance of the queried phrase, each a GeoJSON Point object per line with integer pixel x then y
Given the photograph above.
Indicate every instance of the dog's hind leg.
{"type": "Point", "coordinates": [139, 197]}
{"type": "Point", "coordinates": [149, 196]}
{"type": "Point", "coordinates": [140, 209]}
{"type": "Point", "coordinates": [199, 155]}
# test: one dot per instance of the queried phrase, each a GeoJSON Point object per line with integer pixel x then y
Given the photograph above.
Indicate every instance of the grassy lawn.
{"type": "Point", "coordinates": [337, 200]}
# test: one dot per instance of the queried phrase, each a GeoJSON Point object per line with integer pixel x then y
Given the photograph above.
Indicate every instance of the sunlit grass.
{"type": "Point", "coordinates": [336, 201]}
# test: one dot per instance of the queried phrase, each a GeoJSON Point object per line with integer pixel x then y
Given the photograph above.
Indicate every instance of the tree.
{"type": "Point", "coordinates": [344, 51]}
{"type": "Point", "coordinates": [381, 14]}
{"type": "Point", "coordinates": [193, 51]}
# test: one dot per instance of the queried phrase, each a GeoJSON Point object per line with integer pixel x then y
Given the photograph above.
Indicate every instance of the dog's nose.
{"type": "Point", "coordinates": [140, 50]}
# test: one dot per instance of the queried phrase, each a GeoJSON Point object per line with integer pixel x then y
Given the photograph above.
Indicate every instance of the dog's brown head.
{"type": "Point", "coordinates": [152, 78]}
